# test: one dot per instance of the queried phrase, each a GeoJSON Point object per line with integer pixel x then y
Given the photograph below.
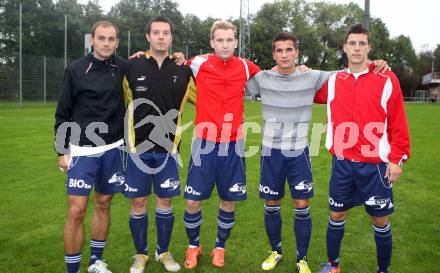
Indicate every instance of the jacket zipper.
{"type": "Point", "coordinates": [352, 114]}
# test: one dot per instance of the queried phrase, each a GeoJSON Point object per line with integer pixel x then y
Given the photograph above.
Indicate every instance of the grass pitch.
{"type": "Point", "coordinates": [33, 206]}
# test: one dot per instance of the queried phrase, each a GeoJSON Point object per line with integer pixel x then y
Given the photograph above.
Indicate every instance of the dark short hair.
{"type": "Point", "coordinates": [284, 36]}
{"type": "Point", "coordinates": [357, 29]}
{"type": "Point", "coordinates": [104, 24]}
{"type": "Point", "coordinates": [162, 19]}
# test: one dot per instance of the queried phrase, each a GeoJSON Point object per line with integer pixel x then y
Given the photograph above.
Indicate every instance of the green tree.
{"type": "Point", "coordinates": [437, 58]}
{"type": "Point", "coordinates": [423, 66]}
{"type": "Point", "coordinates": [133, 15]}
{"type": "Point", "coordinates": [424, 62]}
{"type": "Point", "coordinates": [197, 35]}
{"type": "Point", "coordinates": [38, 22]}
{"type": "Point", "coordinates": [92, 13]}
{"type": "Point", "coordinates": [75, 28]}
{"type": "Point", "coordinates": [380, 40]}
{"type": "Point", "coordinates": [331, 21]}
{"type": "Point", "coordinates": [269, 20]}
{"type": "Point", "coordinates": [403, 59]}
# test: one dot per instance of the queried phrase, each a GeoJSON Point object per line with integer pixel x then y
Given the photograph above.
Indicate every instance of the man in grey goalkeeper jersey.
{"type": "Point", "coordinates": [287, 98]}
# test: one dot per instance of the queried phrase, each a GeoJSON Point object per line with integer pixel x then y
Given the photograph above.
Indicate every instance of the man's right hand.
{"type": "Point", "coordinates": [62, 163]}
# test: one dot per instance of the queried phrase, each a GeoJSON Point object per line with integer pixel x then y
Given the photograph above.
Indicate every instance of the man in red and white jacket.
{"type": "Point", "coordinates": [217, 156]}
{"type": "Point", "coordinates": [367, 133]}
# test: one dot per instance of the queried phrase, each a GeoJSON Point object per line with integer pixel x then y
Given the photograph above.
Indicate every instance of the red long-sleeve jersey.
{"type": "Point", "coordinates": [366, 119]}
{"type": "Point", "coordinates": [220, 90]}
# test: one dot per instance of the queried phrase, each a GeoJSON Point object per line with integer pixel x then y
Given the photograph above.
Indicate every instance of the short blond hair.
{"type": "Point", "coordinates": [222, 24]}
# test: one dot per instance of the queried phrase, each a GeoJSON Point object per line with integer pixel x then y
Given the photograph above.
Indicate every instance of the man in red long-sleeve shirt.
{"type": "Point", "coordinates": [217, 156]}
{"type": "Point", "coordinates": [367, 133]}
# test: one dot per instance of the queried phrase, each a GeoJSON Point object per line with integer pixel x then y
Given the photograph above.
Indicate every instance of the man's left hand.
{"type": "Point", "coordinates": [179, 57]}
{"type": "Point", "coordinates": [393, 172]}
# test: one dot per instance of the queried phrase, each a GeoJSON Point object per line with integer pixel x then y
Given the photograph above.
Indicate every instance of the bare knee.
{"type": "Point", "coordinates": [77, 209]}
{"type": "Point", "coordinates": [193, 206]}
{"type": "Point", "coordinates": [228, 206]}
{"type": "Point", "coordinates": [163, 203]}
{"type": "Point", "coordinates": [139, 204]}
{"type": "Point", "coordinates": [380, 221]}
{"type": "Point", "coordinates": [273, 202]}
{"type": "Point", "coordinates": [338, 216]}
{"type": "Point", "coordinates": [301, 203]}
{"type": "Point", "coordinates": [102, 202]}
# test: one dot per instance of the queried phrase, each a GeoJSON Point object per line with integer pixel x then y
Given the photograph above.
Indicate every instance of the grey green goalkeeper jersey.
{"type": "Point", "coordinates": [286, 105]}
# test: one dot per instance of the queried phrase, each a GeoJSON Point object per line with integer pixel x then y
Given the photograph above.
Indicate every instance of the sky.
{"type": "Point", "coordinates": [416, 19]}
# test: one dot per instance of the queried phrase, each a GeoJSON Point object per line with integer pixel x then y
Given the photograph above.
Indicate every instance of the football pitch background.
{"type": "Point", "coordinates": [33, 206]}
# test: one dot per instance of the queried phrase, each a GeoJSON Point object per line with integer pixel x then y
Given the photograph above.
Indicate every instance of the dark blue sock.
{"type": "Point", "coordinates": [384, 246]}
{"type": "Point", "coordinates": [192, 226]}
{"type": "Point", "coordinates": [273, 224]}
{"type": "Point", "coordinates": [164, 225]}
{"type": "Point", "coordinates": [335, 233]}
{"type": "Point", "coordinates": [96, 250]}
{"type": "Point", "coordinates": [72, 262]}
{"type": "Point", "coordinates": [303, 231]}
{"type": "Point", "coordinates": [225, 222]}
{"type": "Point", "coordinates": [138, 227]}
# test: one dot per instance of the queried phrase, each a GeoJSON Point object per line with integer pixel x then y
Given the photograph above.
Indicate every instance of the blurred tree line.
{"type": "Point", "coordinates": [319, 27]}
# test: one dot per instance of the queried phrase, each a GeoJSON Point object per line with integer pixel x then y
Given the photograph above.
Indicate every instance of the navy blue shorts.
{"type": "Point", "coordinates": [103, 171]}
{"type": "Point", "coordinates": [354, 183]}
{"type": "Point", "coordinates": [278, 165]}
{"type": "Point", "coordinates": [220, 164]}
{"type": "Point", "coordinates": [159, 169]}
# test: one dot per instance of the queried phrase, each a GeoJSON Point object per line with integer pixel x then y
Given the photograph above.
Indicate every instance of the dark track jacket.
{"type": "Point", "coordinates": [92, 92]}
{"type": "Point", "coordinates": [156, 98]}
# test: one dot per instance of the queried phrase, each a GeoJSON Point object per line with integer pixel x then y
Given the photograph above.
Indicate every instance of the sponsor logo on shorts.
{"type": "Point", "coordinates": [130, 189]}
{"type": "Point", "coordinates": [170, 184]}
{"type": "Point", "coordinates": [334, 203]}
{"type": "Point", "coordinates": [378, 202]}
{"type": "Point", "coordinates": [238, 188]}
{"type": "Point", "coordinates": [79, 183]}
{"type": "Point", "coordinates": [118, 179]}
{"type": "Point", "coordinates": [305, 186]}
{"type": "Point", "coordinates": [390, 206]}
{"type": "Point", "coordinates": [267, 190]}
{"type": "Point", "coordinates": [190, 190]}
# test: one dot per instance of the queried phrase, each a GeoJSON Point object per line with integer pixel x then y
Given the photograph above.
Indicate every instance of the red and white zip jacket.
{"type": "Point", "coordinates": [220, 90]}
{"type": "Point", "coordinates": [366, 119]}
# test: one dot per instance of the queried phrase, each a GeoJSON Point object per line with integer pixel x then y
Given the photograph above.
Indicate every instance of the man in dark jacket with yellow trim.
{"type": "Point", "coordinates": [156, 89]}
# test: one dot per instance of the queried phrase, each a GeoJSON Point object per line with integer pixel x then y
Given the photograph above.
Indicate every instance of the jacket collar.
{"type": "Point", "coordinates": [222, 61]}
{"type": "Point", "coordinates": [94, 61]}
{"type": "Point", "coordinates": [150, 58]}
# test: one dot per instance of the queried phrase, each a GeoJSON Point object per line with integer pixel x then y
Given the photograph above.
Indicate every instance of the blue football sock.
{"type": "Point", "coordinates": [72, 262]}
{"type": "Point", "coordinates": [138, 227]}
{"type": "Point", "coordinates": [164, 225]}
{"type": "Point", "coordinates": [303, 231]}
{"type": "Point", "coordinates": [96, 250]}
{"type": "Point", "coordinates": [335, 234]}
{"type": "Point", "coordinates": [225, 222]}
{"type": "Point", "coordinates": [273, 224]}
{"type": "Point", "coordinates": [192, 226]}
{"type": "Point", "coordinates": [384, 246]}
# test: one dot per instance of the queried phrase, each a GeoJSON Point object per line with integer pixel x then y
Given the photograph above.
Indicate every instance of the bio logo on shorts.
{"type": "Point", "coordinates": [79, 183]}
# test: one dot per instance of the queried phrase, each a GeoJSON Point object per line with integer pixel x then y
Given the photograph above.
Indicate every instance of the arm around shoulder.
{"type": "Point", "coordinates": [397, 129]}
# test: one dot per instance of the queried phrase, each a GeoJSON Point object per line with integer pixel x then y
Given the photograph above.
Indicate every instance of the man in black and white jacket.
{"type": "Point", "coordinates": [89, 131]}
